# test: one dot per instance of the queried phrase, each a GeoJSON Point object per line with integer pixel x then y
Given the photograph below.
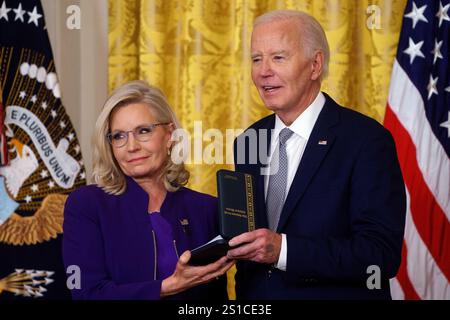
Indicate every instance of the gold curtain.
{"type": "Point", "coordinates": [198, 53]}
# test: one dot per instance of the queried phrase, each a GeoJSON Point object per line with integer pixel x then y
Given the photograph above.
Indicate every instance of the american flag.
{"type": "Point", "coordinates": [418, 116]}
{"type": "Point", "coordinates": [45, 162]}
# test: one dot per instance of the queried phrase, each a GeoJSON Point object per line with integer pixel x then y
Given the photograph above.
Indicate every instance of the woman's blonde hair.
{"type": "Point", "coordinates": [106, 171]}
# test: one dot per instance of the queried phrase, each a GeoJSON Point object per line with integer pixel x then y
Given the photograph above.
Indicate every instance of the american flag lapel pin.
{"type": "Point", "coordinates": [323, 142]}
{"type": "Point", "coordinates": [184, 223]}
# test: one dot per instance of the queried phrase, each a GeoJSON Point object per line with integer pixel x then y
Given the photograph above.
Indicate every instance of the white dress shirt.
{"type": "Point", "coordinates": [295, 146]}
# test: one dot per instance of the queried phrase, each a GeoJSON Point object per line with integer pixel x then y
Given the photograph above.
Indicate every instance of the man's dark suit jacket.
{"type": "Point", "coordinates": [344, 212]}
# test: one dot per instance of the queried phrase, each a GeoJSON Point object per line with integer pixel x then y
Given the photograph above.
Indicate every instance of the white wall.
{"type": "Point", "coordinates": [81, 58]}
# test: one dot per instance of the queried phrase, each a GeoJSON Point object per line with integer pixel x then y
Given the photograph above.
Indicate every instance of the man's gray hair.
{"type": "Point", "coordinates": [313, 34]}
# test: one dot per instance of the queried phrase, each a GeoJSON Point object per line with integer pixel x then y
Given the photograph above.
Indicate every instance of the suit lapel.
{"type": "Point", "coordinates": [318, 145]}
{"type": "Point", "coordinates": [137, 200]}
{"type": "Point", "coordinates": [261, 221]}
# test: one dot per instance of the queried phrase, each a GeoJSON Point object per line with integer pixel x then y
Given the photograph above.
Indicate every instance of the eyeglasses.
{"type": "Point", "coordinates": [142, 133]}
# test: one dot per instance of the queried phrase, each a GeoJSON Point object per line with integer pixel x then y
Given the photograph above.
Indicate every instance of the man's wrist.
{"type": "Point", "coordinates": [282, 257]}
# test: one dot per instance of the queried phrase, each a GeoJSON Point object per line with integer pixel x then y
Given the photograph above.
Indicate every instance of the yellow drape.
{"type": "Point", "coordinates": [197, 52]}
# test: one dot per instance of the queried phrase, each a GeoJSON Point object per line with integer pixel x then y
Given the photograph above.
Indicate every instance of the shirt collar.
{"type": "Point", "coordinates": [305, 122]}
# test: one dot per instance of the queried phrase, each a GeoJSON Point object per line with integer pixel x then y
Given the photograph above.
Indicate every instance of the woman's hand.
{"type": "Point", "coordinates": [186, 276]}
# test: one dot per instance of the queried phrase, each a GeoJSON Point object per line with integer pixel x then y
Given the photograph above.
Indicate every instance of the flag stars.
{"type": "Point", "coordinates": [22, 94]}
{"type": "Point", "coordinates": [28, 199]}
{"type": "Point", "coordinates": [443, 13]}
{"type": "Point", "coordinates": [44, 105]}
{"type": "Point", "coordinates": [53, 114]}
{"type": "Point", "coordinates": [446, 124]}
{"type": "Point", "coordinates": [62, 124]}
{"type": "Point", "coordinates": [70, 136]}
{"type": "Point", "coordinates": [416, 14]}
{"type": "Point", "coordinates": [34, 187]}
{"type": "Point", "coordinates": [19, 13]}
{"type": "Point", "coordinates": [34, 16]}
{"type": "Point", "coordinates": [33, 98]}
{"type": "Point", "coordinates": [4, 11]}
{"type": "Point", "coordinates": [77, 149]}
{"type": "Point", "coordinates": [437, 50]}
{"type": "Point", "coordinates": [82, 175]}
{"type": "Point", "coordinates": [51, 184]}
{"type": "Point", "coordinates": [414, 50]}
{"type": "Point", "coordinates": [44, 174]}
{"type": "Point", "coordinates": [432, 86]}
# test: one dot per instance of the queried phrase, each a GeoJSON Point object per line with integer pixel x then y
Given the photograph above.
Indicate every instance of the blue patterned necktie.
{"type": "Point", "coordinates": [276, 190]}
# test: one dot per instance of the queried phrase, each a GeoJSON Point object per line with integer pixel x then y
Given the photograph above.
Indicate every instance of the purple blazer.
{"type": "Point", "coordinates": [110, 239]}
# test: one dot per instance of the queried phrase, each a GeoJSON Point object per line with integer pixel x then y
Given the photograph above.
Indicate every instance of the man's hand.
{"type": "Point", "coordinates": [262, 245]}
